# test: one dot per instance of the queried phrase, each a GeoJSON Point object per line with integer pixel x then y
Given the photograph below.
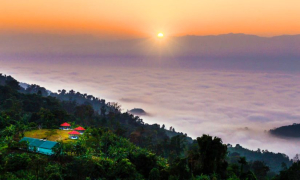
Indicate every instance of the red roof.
{"type": "Point", "coordinates": [65, 124]}
{"type": "Point", "coordinates": [79, 128]}
{"type": "Point", "coordinates": [74, 133]}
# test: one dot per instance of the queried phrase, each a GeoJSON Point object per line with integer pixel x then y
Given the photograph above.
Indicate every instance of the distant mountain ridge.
{"type": "Point", "coordinates": [217, 46]}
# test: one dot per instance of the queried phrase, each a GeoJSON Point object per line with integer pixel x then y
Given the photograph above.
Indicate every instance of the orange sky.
{"type": "Point", "coordinates": [139, 18]}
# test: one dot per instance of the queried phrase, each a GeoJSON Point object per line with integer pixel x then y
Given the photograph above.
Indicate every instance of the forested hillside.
{"type": "Point", "coordinates": [273, 160]}
{"type": "Point", "coordinates": [116, 145]}
{"type": "Point", "coordinates": [290, 131]}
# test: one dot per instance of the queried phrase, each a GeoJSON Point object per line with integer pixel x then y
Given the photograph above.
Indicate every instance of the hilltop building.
{"type": "Point", "coordinates": [80, 129]}
{"type": "Point", "coordinates": [74, 135]}
{"type": "Point", "coordinates": [65, 126]}
{"type": "Point", "coordinates": [40, 145]}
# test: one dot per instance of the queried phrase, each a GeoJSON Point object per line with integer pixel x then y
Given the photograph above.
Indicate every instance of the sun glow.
{"type": "Point", "coordinates": [160, 35]}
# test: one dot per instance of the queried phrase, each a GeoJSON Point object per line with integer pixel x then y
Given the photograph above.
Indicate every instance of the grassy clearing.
{"type": "Point", "coordinates": [50, 134]}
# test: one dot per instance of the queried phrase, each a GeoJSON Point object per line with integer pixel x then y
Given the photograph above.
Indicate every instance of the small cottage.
{"type": "Point", "coordinates": [74, 135]}
{"type": "Point", "coordinates": [65, 126]}
{"type": "Point", "coordinates": [80, 129]}
{"type": "Point", "coordinates": [40, 145]}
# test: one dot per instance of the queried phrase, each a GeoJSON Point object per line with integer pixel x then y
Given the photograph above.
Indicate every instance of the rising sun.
{"type": "Point", "coordinates": [160, 35]}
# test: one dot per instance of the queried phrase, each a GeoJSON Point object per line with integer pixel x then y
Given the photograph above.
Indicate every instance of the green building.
{"type": "Point", "coordinates": [40, 145]}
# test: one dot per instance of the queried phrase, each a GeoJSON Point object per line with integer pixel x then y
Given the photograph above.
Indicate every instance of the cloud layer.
{"type": "Point", "coordinates": [236, 105]}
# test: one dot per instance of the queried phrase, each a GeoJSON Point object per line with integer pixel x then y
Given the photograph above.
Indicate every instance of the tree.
{"type": "Point", "coordinates": [233, 170]}
{"type": "Point", "coordinates": [103, 110]}
{"type": "Point", "coordinates": [292, 173]}
{"type": "Point", "coordinates": [16, 162]}
{"type": "Point", "coordinates": [248, 176]}
{"type": "Point", "coordinates": [296, 158]}
{"type": "Point", "coordinates": [260, 169]}
{"type": "Point", "coordinates": [154, 174]}
{"type": "Point", "coordinates": [11, 82]}
{"type": "Point", "coordinates": [284, 166]}
{"type": "Point", "coordinates": [243, 162]}
{"type": "Point", "coordinates": [144, 162]}
{"type": "Point", "coordinates": [53, 172]}
{"type": "Point", "coordinates": [79, 148]}
{"type": "Point", "coordinates": [24, 145]}
{"type": "Point", "coordinates": [179, 168]}
{"type": "Point", "coordinates": [125, 170]}
{"type": "Point", "coordinates": [47, 118]}
{"type": "Point", "coordinates": [62, 92]}
{"type": "Point", "coordinates": [37, 164]}
{"type": "Point", "coordinates": [177, 144]}
{"type": "Point", "coordinates": [84, 112]}
{"type": "Point", "coordinates": [59, 150]}
{"type": "Point", "coordinates": [212, 155]}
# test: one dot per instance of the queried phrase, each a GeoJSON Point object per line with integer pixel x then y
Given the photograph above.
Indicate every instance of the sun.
{"type": "Point", "coordinates": [160, 35]}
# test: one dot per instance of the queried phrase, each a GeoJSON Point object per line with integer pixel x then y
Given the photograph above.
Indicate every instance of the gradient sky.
{"type": "Point", "coordinates": [136, 18]}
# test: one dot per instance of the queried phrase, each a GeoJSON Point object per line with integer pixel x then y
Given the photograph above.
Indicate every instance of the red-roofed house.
{"type": "Point", "coordinates": [73, 135]}
{"type": "Point", "coordinates": [80, 129]}
{"type": "Point", "coordinates": [65, 126]}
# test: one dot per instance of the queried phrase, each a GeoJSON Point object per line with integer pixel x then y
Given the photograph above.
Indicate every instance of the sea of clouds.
{"type": "Point", "coordinates": [240, 106]}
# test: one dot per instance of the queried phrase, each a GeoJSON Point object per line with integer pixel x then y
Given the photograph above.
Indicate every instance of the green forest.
{"type": "Point", "coordinates": [117, 145]}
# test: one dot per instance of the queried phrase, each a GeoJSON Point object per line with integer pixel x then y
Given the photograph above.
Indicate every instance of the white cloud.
{"type": "Point", "coordinates": [195, 101]}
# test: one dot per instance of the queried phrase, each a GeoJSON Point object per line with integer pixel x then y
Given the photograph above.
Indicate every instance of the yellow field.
{"type": "Point", "coordinates": [50, 134]}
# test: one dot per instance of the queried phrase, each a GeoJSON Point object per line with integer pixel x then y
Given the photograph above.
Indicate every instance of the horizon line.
{"type": "Point", "coordinates": [130, 37]}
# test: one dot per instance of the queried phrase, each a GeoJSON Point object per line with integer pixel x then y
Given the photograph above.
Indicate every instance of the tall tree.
{"type": "Point", "coordinates": [243, 162]}
{"type": "Point", "coordinates": [212, 155]}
